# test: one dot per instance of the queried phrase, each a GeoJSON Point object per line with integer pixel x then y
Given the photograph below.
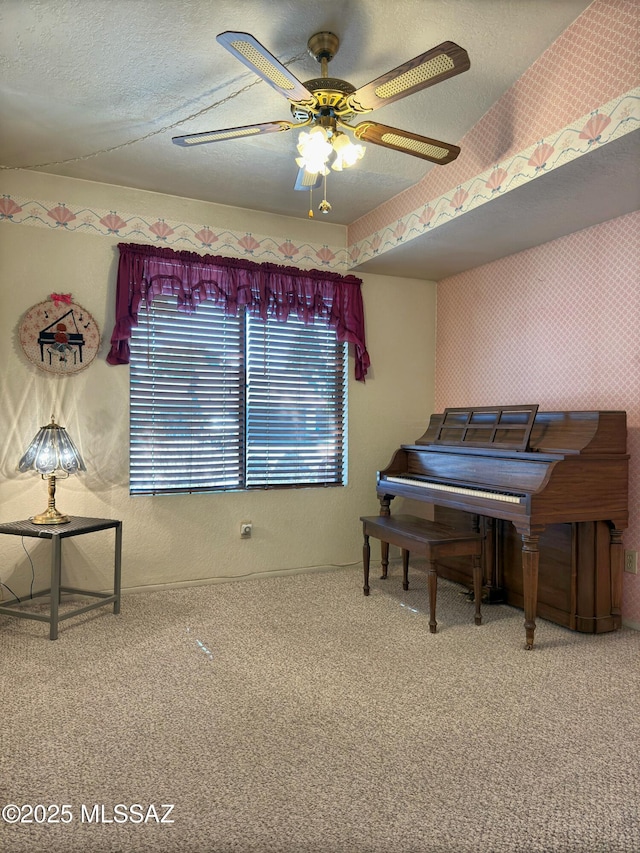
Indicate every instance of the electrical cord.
{"type": "Point", "coordinates": [258, 575]}
{"type": "Point", "coordinates": [33, 575]}
{"type": "Point", "coordinates": [19, 600]}
{"type": "Point", "coordinates": [295, 569]}
{"type": "Point", "coordinates": [33, 571]}
{"type": "Point", "coordinates": [221, 577]}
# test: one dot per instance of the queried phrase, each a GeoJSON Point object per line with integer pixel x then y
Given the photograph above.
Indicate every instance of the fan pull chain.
{"type": "Point", "coordinates": [311, 202]}
{"type": "Point", "coordinates": [324, 206]}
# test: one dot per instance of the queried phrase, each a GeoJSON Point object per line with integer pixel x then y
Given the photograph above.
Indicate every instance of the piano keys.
{"type": "Point", "coordinates": [424, 483]}
{"type": "Point", "coordinates": [535, 477]}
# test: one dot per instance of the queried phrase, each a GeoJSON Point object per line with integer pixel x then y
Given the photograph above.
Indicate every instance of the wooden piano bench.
{"type": "Point", "coordinates": [427, 539]}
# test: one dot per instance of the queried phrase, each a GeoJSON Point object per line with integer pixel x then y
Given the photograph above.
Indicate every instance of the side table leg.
{"type": "Point", "coordinates": [117, 570]}
{"type": "Point", "coordinates": [56, 562]}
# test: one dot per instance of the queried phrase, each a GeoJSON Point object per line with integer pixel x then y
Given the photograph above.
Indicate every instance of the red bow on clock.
{"type": "Point", "coordinates": [57, 298]}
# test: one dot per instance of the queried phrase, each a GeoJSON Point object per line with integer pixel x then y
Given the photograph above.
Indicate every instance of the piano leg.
{"type": "Point", "coordinates": [366, 555]}
{"type": "Point", "coordinates": [385, 504]}
{"type": "Point", "coordinates": [405, 569]}
{"type": "Point", "coordinates": [616, 559]}
{"type": "Point", "coordinates": [477, 588]}
{"type": "Point", "coordinates": [530, 560]}
{"type": "Point", "coordinates": [432, 577]}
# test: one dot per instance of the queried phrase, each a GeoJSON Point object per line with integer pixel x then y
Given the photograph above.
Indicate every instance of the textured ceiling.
{"type": "Point", "coordinates": [86, 76]}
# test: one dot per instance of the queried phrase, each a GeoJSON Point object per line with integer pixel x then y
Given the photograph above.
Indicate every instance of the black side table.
{"type": "Point", "coordinates": [58, 532]}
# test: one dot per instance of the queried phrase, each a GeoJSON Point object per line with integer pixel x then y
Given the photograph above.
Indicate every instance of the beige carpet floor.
{"type": "Point", "coordinates": [294, 715]}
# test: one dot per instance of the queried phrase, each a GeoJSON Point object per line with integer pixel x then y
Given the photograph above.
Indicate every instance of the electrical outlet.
{"type": "Point", "coordinates": [245, 529]}
{"type": "Point", "coordinates": [631, 562]}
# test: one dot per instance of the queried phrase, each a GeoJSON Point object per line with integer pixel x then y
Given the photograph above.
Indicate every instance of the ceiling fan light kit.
{"type": "Point", "coordinates": [327, 105]}
{"type": "Point", "coordinates": [347, 154]}
{"type": "Point", "coordinates": [315, 149]}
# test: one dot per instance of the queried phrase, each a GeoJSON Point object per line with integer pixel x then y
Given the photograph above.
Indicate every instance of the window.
{"type": "Point", "coordinates": [222, 402]}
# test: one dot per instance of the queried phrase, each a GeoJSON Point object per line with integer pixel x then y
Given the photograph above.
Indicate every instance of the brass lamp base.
{"type": "Point", "coordinates": [50, 516]}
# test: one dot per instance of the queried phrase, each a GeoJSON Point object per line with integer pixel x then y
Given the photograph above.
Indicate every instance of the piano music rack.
{"type": "Point", "coordinates": [504, 427]}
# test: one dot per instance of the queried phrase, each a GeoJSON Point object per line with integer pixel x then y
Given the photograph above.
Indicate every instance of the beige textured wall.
{"type": "Point", "coordinates": [182, 539]}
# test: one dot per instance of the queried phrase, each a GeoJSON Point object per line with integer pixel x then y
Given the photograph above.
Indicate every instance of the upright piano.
{"type": "Point", "coordinates": [548, 490]}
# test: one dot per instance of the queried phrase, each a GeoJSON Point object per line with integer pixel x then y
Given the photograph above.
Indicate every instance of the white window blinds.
{"type": "Point", "coordinates": [220, 402]}
{"type": "Point", "coordinates": [295, 404]}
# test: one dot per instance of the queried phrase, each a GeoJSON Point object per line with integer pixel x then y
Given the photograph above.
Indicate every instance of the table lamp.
{"type": "Point", "coordinates": [52, 454]}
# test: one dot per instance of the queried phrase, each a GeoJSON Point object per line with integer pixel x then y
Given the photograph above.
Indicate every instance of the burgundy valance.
{"type": "Point", "coordinates": [265, 290]}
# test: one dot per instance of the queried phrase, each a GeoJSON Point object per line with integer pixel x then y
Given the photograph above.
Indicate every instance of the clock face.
{"type": "Point", "coordinates": [59, 337]}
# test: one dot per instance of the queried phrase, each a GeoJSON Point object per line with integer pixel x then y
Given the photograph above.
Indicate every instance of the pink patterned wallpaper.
{"type": "Point", "coordinates": [592, 63]}
{"type": "Point", "coordinates": [557, 325]}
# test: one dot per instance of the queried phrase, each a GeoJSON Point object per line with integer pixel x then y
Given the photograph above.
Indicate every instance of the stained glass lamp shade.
{"type": "Point", "coordinates": [53, 455]}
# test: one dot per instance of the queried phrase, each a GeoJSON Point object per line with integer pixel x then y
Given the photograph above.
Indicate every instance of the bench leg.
{"type": "Point", "coordinates": [405, 569]}
{"type": "Point", "coordinates": [433, 591]}
{"type": "Point", "coordinates": [384, 559]}
{"type": "Point", "coordinates": [477, 588]}
{"type": "Point", "coordinates": [366, 555]}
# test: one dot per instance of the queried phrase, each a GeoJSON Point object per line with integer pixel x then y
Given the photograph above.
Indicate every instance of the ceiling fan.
{"type": "Point", "coordinates": [329, 104]}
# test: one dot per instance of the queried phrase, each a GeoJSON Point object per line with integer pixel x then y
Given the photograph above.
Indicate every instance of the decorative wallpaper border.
{"type": "Point", "coordinates": [603, 125]}
{"type": "Point", "coordinates": [60, 215]}
{"type": "Point", "coordinates": [611, 121]}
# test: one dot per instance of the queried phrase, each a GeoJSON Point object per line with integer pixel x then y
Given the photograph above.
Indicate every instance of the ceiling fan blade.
{"type": "Point", "coordinates": [307, 180]}
{"type": "Point", "coordinates": [445, 60]}
{"type": "Point", "coordinates": [256, 57]}
{"type": "Point", "coordinates": [409, 143]}
{"type": "Point", "coordinates": [233, 133]}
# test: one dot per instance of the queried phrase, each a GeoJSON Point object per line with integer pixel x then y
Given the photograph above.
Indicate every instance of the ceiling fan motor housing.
{"type": "Point", "coordinates": [330, 92]}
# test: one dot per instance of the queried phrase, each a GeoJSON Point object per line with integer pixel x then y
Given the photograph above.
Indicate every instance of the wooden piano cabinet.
{"type": "Point", "coordinates": [576, 582]}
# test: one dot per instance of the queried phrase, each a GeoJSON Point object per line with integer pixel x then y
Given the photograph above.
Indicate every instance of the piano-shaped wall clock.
{"type": "Point", "coordinates": [59, 336]}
